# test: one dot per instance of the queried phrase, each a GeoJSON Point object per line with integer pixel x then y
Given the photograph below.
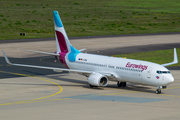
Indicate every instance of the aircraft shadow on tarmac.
{"type": "Point", "coordinates": [7, 71]}
{"type": "Point", "coordinates": [84, 84]}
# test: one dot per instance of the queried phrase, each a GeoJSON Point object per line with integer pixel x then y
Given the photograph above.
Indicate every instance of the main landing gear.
{"type": "Point", "coordinates": [121, 84]}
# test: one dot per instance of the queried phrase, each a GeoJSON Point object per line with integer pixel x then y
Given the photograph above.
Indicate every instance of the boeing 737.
{"type": "Point", "coordinates": [100, 69]}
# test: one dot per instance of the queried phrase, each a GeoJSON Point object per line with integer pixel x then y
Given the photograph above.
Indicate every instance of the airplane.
{"type": "Point", "coordinates": [100, 69]}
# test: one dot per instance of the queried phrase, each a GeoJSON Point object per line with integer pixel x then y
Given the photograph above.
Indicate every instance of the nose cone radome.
{"type": "Point", "coordinates": [170, 79]}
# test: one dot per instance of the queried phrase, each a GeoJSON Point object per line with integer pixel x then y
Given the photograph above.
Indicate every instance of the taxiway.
{"type": "Point", "coordinates": [29, 93]}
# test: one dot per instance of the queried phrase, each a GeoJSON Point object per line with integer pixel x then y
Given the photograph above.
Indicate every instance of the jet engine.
{"type": "Point", "coordinates": [97, 79]}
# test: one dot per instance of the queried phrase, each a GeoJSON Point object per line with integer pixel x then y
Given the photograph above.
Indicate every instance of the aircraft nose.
{"type": "Point", "coordinates": [170, 79]}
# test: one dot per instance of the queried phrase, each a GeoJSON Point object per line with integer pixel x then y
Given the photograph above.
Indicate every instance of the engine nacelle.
{"type": "Point", "coordinates": [97, 79]}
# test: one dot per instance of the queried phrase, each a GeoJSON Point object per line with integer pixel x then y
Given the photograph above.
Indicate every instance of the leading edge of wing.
{"type": "Point", "coordinates": [55, 54]}
{"type": "Point", "coordinates": [43, 67]}
{"type": "Point", "coordinates": [59, 69]}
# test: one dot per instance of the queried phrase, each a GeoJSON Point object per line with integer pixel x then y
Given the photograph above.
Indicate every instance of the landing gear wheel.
{"type": "Point", "coordinates": [119, 84]}
{"type": "Point", "coordinates": [123, 84]}
{"type": "Point", "coordinates": [158, 91]}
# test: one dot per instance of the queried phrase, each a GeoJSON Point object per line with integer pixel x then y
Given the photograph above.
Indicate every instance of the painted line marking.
{"type": "Point", "coordinates": [118, 98]}
{"type": "Point", "coordinates": [169, 95]}
{"type": "Point", "coordinates": [40, 99]}
{"type": "Point", "coordinates": [173, 88]}
{"type": "Point", "coordinates": [30, 101]}
{"type": "Point", "coordinates": [120, 93]}
{"type": "Point", "coordinates": [25, 102]}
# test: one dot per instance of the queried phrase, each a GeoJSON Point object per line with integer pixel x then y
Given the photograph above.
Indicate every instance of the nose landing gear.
{"type": "Point", "coordinates": [158, 91]}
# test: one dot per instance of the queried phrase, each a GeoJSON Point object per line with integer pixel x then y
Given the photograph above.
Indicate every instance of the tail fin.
{"type": "Point", "coordinates": [62, 41]}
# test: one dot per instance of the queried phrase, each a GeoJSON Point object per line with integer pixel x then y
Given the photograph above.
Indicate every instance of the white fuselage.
{"type": "Point", "coordinates": [127, 70]}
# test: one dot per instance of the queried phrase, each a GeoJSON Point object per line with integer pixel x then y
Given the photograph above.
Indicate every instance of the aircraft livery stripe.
{"type": "Point", "coordinates": [62, 42]}
{"type": "Point", "coordinates": [63, 59]}
{"type": "Point", "coordinates": [57, 19]}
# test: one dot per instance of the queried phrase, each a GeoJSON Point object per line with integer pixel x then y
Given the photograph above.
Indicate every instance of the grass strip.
{"type": "Point", "coordinates": [88, 18]}
{"type": "Point", "coordinates": [160, 56]}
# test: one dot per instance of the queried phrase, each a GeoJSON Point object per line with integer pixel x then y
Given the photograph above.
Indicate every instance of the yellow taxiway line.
{"type": "Point", "coordinates": [32, 100]}
{"type": "Point", "coordinates": [41, 98]}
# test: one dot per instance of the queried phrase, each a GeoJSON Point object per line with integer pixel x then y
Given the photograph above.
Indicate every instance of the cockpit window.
{"type": "Point", "coordinates": [163, 72]}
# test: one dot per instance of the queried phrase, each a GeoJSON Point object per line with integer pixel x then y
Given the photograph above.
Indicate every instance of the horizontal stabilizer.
{"type": "Point", "coordinates": [82, 50]}
{"type": "Point", "coordinates": [175, 59]}
{"type": "Point", "coordinates": [40, 52]}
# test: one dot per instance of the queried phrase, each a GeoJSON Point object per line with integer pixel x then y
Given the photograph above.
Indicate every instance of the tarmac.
{"type": "Point", "coordinates": [29, 93]}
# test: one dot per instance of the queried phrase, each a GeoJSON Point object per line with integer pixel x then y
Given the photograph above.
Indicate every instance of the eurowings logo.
{"type": "Point", "coordinates": [143, 67]}
{"type": "Point", "coordinates": [157, 77]}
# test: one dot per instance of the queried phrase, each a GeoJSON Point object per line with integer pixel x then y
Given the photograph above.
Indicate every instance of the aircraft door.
{"type": "Point", "coordinates": [149, 72]}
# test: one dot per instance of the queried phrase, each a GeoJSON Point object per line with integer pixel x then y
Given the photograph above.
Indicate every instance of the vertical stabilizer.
{"type": "Point", "coordinates": [62, 41]}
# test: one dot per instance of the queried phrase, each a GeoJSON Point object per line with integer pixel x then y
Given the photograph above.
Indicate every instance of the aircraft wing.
{"type": "Point", "coordinates": [55, 54]}
{"type": "Point", "coordinates": [109, 75]}
{"type": "Point", "coordinates": [175, 59]}
{"type": "Point", "coordinates": [43, 67]}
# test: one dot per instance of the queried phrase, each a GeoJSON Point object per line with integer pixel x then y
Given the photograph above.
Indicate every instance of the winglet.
{"type": "Point", "coordinates": [175, 56]}
{"type": "Point", "coordinates": [7, 60]}
{"type": "Point", "coordinates": [175, 59]}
